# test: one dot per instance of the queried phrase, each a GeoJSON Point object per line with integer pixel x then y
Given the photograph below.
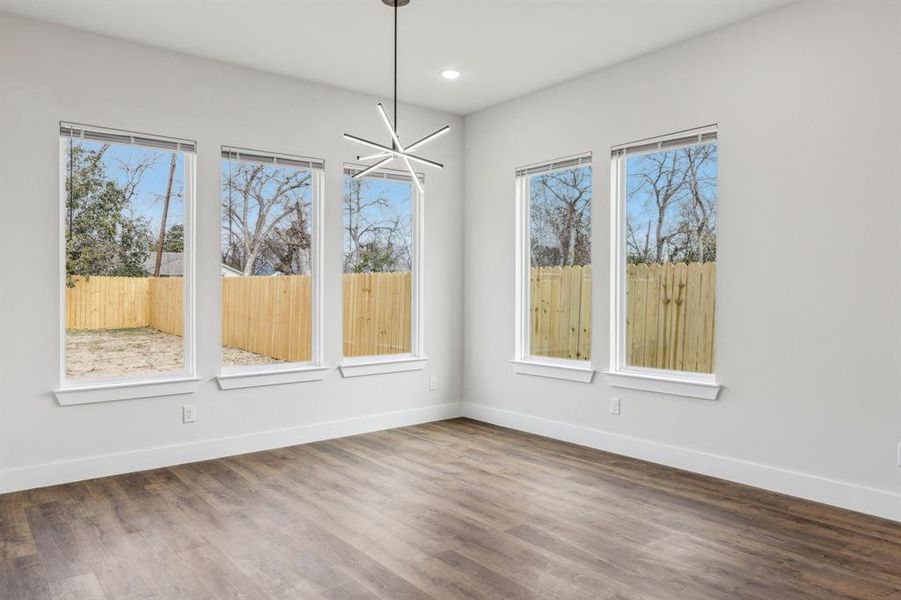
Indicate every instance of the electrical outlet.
{"type": "Point", "coordinates": [614, 406]}
{"type": "Point", "coordinates": [433, 383]}
{"type": "Point", "coordinates": [188, 413]}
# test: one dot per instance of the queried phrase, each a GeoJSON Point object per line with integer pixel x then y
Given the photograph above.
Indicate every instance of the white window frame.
{"type": "Point", "coordinates": [620, 374]}
{"type": "Point", "coordinates": [523, 361]}
{"type": "Point", "coordinates": [109, 389]}
{"type": "Point", "coordinates": [416, 359]}
{"type": "Point", "coordinates": [297, 372]}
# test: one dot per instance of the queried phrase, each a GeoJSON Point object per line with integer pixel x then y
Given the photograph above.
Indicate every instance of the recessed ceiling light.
{"type": "Point", "coordinates": [450, 73]}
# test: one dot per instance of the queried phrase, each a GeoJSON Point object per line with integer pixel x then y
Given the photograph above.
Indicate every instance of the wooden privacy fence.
{"type": "Point", "coordinates": [167, 305]}
{"type": "Point", "coordinates": [670, 310]}
{"type": "Point", "coordinates": [269, 316]}
{"type": "Point", "coordinates": [669, 322]}
{"type": "Point", "coordinates": [108, 303]}
{"type": "Point", "coordinates": [125, 303]}
{"type": "Point", "coordinates": [378, 310]}
{"type": "Point", "coordinates": [560, 299]}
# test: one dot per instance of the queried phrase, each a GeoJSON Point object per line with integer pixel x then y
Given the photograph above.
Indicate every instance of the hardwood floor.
{"type": "Point", "coordinates": [456, 509]}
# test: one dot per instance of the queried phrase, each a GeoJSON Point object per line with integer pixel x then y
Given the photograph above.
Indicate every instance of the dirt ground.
{"type": "Point", "coordinates": [119, 352]}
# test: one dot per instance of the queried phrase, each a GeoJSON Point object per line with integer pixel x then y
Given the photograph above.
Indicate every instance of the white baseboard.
{"type": "Point", "coordinates": [40, 475]}
{"type": "Point", "coordinates": [880, 503]}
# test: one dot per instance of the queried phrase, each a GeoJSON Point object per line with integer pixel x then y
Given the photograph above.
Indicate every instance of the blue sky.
{"type": "Point", "coordinates": [641, 206]}
{"type": "Point", "coordinates": [398, 194]}
{"type": "Point", "coordinates": [398, 197]}
{"type": "Point", "coordinates": [148, 199]}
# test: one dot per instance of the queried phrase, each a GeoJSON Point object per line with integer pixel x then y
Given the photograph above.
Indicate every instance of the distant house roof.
{"type": "Point", "coordinates": [266, 268]}
{"type": "Point", "coordinates": [228, 271]}
{"type": "Point", "coordinates": [172, 265]}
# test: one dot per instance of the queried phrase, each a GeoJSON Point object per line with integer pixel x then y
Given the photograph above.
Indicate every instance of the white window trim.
{"type": "Point", "coordinates": [113, 390]}
{"type": "Point", "coordinates": [297, 372]}
{"type": "Point", "coordinates": [674, 383]}
{"type": "Point", "coordinates": [523, 362]}
{"type": "Point", "coordinates": [263, 375]}
{"type": "Point", "coordinates": [71, 392]}
{"type": "Point", "coordinates": [360, 366]}
{"type": "Point", "coordinates": [416, 360]}
{"type": "Point", "coordinates": [621, 375]}
{"type": "Point", "coordinates": [554, 369]}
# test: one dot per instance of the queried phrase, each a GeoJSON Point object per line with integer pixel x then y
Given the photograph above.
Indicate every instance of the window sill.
{"type": "Point", "coordinates": [260, 377]}
{"type": "Point", "coordinates": [130, 390]}
{"type": "Point", "coordinates": [379, 365]}
{"type": "Point", "coordinates": [702, 386]}
{"type": "Point", "coordinates": [569, 370]}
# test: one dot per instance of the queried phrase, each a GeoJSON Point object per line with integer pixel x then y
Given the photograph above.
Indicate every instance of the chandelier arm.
{"type": "Point", "coordinates": [427, 138]}
{"type": "Point", "coordinates": [378, 155]}
{"type": "Point", "coordinates": [372, 168]}
{"type": "Point", "coordinates": [381, 155]}
{"type": "Point", "coordinates": [398, 146]}
{"type": "Point", "coordinates": [395, 153]}
{"type": "Point", "coordinates": [393, 131]}
{"type": "Point", "coordinates": [371, 144]}
{"type": "Point", "coordinates": [419, 159]}
{"type": "Point", "coordinates": [413, 174]}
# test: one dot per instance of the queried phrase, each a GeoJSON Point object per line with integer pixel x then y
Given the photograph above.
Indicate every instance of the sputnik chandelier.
{"type": "Point", "coordinates": [386, 154]}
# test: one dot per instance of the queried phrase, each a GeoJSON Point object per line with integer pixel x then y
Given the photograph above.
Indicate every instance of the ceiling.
{"type": "Point", "coordinates": [505, 48]}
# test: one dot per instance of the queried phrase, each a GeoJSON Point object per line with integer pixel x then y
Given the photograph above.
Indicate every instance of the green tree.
{"type": "Point", "coordinates": [378, 257]}
{"type": "Point", "coordinates": [175, 239]}
{"type": "Point", "coordinates": [102, 238]}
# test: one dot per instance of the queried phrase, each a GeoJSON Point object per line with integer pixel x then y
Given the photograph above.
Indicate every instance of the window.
{"type": "Point", "coordinates": [665, 221]}
{"type": "Point", "coordinates": [269, 260]}
{"type": "Point", "coordinates": [554, 257]}
{"type": "Point", "coordinates": [127, 256]}
{"type": "Point", "coordinates": [382, 213]}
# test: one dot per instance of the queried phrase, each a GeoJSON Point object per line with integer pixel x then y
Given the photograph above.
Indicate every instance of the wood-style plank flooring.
{"type": "Point", "coordinates": [456, 509]}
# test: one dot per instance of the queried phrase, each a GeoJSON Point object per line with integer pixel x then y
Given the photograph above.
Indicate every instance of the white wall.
{"type": "Point", "coordinates": [808, 339]}
{"type": "Point", "coordinates": [48, 74]}
{"type": "Point", "coordinates": [809, 326]}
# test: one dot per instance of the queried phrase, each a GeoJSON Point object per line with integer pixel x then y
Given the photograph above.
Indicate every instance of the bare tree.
{"type": "Point", "coordinates": [560, 225]}
{"type": "Point", "coordinates": [672, 206]}
{"type": "Point", "coordinates": [257, 200]}
{"type": "Point", "coordinates": [639, 249]}
{"type": "Point", "coordinates": [133, 170]}
{"type": "Point", "coordinates": [662, 182]}
{"type": "Point", "coordinates": [376, 238]}
{"type": "Point", "coordinates": [700, 215]}
{"type": "Point", "coordinates": [291, 245]}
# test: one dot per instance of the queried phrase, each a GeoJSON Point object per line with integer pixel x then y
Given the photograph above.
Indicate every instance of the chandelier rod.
{"type": "Point", "coordinates": [395, 71]}
{"type": "Point", "coordinates": [386, 154]}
